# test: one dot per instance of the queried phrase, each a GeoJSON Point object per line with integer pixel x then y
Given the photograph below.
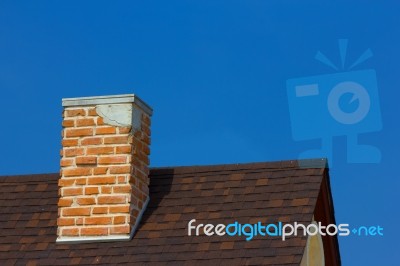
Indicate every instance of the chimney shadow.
{"type": "Point", "coordinates": [160, 185]}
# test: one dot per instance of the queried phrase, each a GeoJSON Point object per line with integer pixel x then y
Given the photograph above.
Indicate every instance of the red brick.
{"type": "Point", "coordinates": [101, 180]}
{"type": "Point", "coordinates": [66, 182]}
{"type": "Point", "coordinates": [100, 150]}
{"type": "Point", "coordinates": [137, 144]}
{"type": "Point", "coordinates": [64, 202]}
{"type": "Point", "coordinates": [78, 132]}
{"type": "Point", "coordinates": [138, 134]}
{"type": "Point", "coordinates": [65, 221]}
{"type": "Point", "coordinates": [94, 231]}
{"type": "Point", "coordinates": [142, 157]}
{"type": "Point", "coordinates": [91, 190]}
{"type": "Point", "coordinates": [146, 140]}
{"type": "Point", "coordinates": [106, 190]}
{"type": "Point", "coordinates": [81, 181]}
{"type": "Point", "coordinates": [121, 179]}
{"type": "Point", "coordinates": [123, 149]}
{"type": "Point", "coordinates": [134, 213]}
{"type": "Point", "coordinates": [141, 176]}
{"type": "Point", "coordinates": [79, 221]}
{"type": "Point", "coordinates": [70, 231]}
{"type": "Point", "coordinates": [119, 219]}
{"type": "Point", "coordinates": [116, 140]}
{"type": "Point", "coordinates": [92, 112]}
{"type": "Point", "coordinates": [120, 169]}
{"type": "Point", "coordinates": [71, 152]}
{"type": "Point", "coordinates": [136, 162]}
{"type": "Point", "coordinates": [68, 123]}
{"type": "Point", "coordinates": [123, 229]}
{"type": "Point", "coordinates": [124, 130]}
{"type": "Point", "coordinates": [100, 210]}
{"type": "Point", "coordinates": [75, 112]}
{"type": "Point", "coordinates": [100, 170]}
{"type": "Point", "coordinates": [78, 171]}
{"type": "Point", "coordinates": [105, 130]}
{"type": "Point", "coordinates": [136, 192]}
{"type": "Point", "coordinates": [100, 121]}
{"type": "Point", "coordinates": [66, 162]}
{"type": "Point", "coordinates": [84, 122]}
{"type": "Point", "coordinates": [98, 220]}
{"type": "Point", "coordinates": [146, 150]}
{"type": "Point", "coordinates": [113, 199]}
{"type": "Point", "coordinates": [146, 130]}
{"type": "Point", "coordinates": [146, 119]}
{"type": "Point", "coordinates": [92, 141]}
{"type": "Point", "coordinates": [113, 160]}
{"type": "Point", "coordinates": [76, 211]}
{"type": "Point", "coordinates": [85, 160]}
{"type": "Point", "coordinates": [86, 201]}
{"type": "Point", "coordinates": [68, 191]}
{"type": "Point", "coordinates": [69, 142]}
{"type": "Point", "coordinates": [122, 189]}
{"type": "Point", "coordinates": [119, 209]}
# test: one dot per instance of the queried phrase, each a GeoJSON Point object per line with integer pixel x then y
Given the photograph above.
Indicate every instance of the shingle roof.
{"type": "Point", "coordinates": [247, 193]}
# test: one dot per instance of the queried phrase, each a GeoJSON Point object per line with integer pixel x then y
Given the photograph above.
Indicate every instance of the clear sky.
{"type": "Point", "coordinates": [215, 73]}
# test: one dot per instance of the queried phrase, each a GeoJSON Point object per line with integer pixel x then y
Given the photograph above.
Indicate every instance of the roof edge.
{"type": "Point", "coordinates": [319, 163]}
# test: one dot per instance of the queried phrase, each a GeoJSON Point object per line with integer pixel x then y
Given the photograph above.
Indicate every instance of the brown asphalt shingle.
{"type": "Point", "coordinates": [247, 193]}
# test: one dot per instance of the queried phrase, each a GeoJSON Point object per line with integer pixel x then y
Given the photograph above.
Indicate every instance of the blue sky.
{"type": "Point", "coordinates": [215, 74]}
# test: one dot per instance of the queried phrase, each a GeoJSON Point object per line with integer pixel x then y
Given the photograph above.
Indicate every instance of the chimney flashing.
{"type": "Point", "coordinates": [109, 238]}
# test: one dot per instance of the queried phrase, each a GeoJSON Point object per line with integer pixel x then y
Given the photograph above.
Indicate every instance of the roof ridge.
{"type": "Point", "coordinates": [29, 178]}
{"type": "Point", "coordinates": [285, 164]}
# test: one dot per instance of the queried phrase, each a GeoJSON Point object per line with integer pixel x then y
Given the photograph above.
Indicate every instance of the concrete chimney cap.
{"type": "Point", "coordinates": [108, 99]}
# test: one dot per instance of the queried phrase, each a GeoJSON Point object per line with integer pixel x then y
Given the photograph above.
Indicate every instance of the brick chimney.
{"type": "Point", "coordinates": [103, 186]}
